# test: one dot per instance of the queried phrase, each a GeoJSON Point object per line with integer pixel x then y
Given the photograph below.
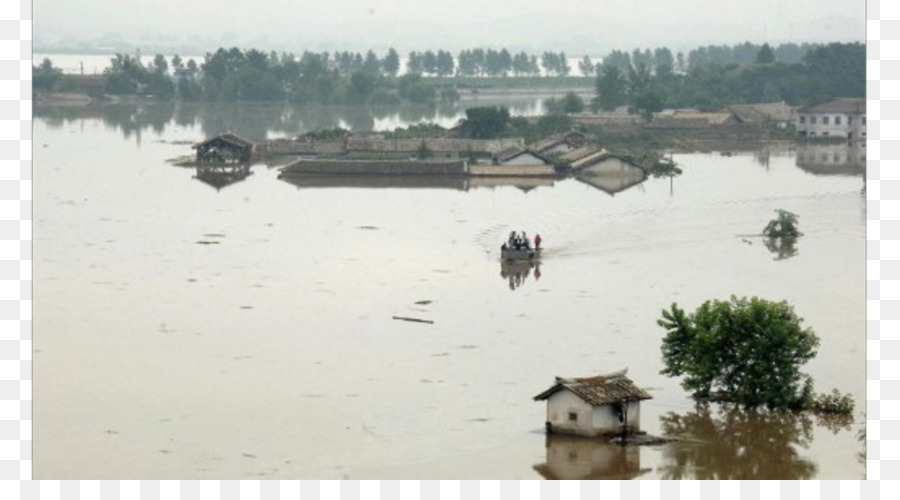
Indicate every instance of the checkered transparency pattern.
{"type": "Point", "coordinates": [883, 319]}
{"type": "Point", "coordinates": [15, 241]}
{"type": "Point", "coordinates": [883, 238]}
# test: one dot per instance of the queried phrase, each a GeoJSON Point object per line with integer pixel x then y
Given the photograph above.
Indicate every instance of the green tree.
{"type": "Point", "coordinates": [371, 65]}
{"type": "Point", "coordinates": [783, 226]}
{"type": "Point", "coordinates": [422, 152]}
{"type": "Point", "coordinates": [648, 102]}
{"type": "Point", "coordinates": [610, 87]}
{"type": "Point", "coordinates": [391, 62]}
{"type": "Point", "coordinates": [553, 123]}
{"type": "Point", "coordinates": [444, 63]}
{"type": "Point", "coordinates": [486, 122]}
{"type": "Point", "coordinates": [746, 351]}
{"type": "Point", "coordinates": [45, 76]}
{"type": "Point", "coordinates": [571, 103]}
{"type": "Point", "coordinates": [429, 62]}
{"type": "Point", "coordinates": [765, 55]}
{"type": "Point", "coordinates": [413, 88]}
{"type": "Point", "coordinates": [414, 63]}
{"type": "Point", "coordinates": [585, 66]}
{"type": "Point", "coordinates": [159, 64]}
{"type": "Point", "coordinates": [361, 87]}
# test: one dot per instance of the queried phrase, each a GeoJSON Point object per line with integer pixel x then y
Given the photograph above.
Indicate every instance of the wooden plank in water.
{"type": "Point", "coordinates": [415, 320]}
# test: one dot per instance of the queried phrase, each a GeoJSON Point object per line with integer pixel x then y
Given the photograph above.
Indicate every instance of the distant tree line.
{"type": "Point", "coordinates": [644, 79]}
{"type": "Point", "coordinates": [649, 82]}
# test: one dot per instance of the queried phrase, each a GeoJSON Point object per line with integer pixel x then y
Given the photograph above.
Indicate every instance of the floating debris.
{"type": "Point", "coordinates": [414, 320]}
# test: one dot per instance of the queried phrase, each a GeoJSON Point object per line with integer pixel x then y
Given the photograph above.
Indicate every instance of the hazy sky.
{"type": "Point", "coordinates": [360, 24]}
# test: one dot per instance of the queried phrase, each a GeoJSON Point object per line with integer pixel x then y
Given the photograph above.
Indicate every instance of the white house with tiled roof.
{"type": "Point", "coordinates": [593, 406]}
{"type": "Point", "coordinates": [842, 117]}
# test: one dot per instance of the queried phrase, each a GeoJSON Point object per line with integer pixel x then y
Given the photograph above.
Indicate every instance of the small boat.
{"type": "Point", "coordinates": [522, 254]}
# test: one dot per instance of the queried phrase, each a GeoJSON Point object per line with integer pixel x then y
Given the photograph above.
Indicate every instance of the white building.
{"type": "Point", "coordinates": [593, 406]}
{"type": "Point", "coordinates": [842, 117]}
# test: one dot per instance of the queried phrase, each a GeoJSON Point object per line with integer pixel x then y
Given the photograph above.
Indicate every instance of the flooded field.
{"type": "Point", "coordinates": [183, 330]}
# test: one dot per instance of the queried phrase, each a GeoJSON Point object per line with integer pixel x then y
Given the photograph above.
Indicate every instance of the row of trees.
{"type": "Point", "coordinates": [826, 71]}
{"type": "Point", "coordinates": [643, 79]}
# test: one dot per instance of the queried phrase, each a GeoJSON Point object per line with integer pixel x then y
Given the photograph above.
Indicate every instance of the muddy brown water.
{"type": "Point", "coordinates": [184, 330]}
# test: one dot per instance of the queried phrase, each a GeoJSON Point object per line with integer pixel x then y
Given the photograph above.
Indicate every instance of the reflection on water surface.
{"type": "Point", "coordinates": [247, 332]}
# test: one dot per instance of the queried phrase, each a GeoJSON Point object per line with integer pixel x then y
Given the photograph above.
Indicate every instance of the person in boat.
{"type": "Point", "coordinates": [511, 242]}
{"type": "Point", "coordinates": [537, 241]}
{"type": "Point", "coordinates": [526, 243]}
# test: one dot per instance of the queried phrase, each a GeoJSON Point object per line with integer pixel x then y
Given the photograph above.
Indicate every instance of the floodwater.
{"type": "Point", "coordinates": [247, 331]}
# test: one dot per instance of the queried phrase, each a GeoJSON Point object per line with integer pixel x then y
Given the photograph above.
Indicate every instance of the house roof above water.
{"type": "Point", "coordinates": [228, 138]}
{"type": "Point", "coordinates": [843, 105]}
{"type": "Point", "coordinates": [598, 390]}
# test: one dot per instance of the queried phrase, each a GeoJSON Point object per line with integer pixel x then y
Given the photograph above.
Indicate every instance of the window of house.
{"type": "Point", "coordinates": [824, 120]}
{"type": "Point", "coordinates": [864, 120]}
{"type": "Point", "coordinates": [849, 120]}
{"type": "Point", "coordinates": [573, 416]}
{"type": "Point", "coordinates": [802, 119]}
{"type": "Point", "coordinates": [837, 120]}
{"type": "Point", "coordinates": [824, 134]}
{"type": "Point", "coordinates": [812, 120]}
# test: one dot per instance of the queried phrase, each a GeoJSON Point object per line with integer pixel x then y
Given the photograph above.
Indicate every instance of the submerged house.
{"type": "Point", "coordinates": [517, 155]}
{"type": "Point", "coordinates": [608, 173]}
{"type": "Point", "coordinates": [594, 406]}
{"type": "Point", "coordinates": [224, 148]}
{"type": "Point", "coordinates": [841, 117]}
{"type": "Point", "coordinates": [558, 144]}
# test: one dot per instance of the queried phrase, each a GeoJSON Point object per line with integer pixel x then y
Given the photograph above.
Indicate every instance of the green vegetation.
{"type": "Point", "coordinates": [835, 402]}
{"type": "Point", "coordinates": [745, 351]}
{"type": "Point", "coordinates": [45, 76]}
{"type": "Point", "coordinates": [423, 152]}
{"type": "Point", "coordinates": [645, 80]}
{"type": "Point", "coordinates": [785, 226]}
{"type": "Point", "coordinates": [569, 103]}
{"type": "Point", "coordinates": [714, 76]}
{"type": "Point", "coordinates": [487, 122]}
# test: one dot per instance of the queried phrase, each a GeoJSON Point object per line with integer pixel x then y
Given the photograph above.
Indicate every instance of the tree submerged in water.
{"type": "Point", "coordinates": [745, 351]}
{"type": "Point", "coordinates": [785, 226]}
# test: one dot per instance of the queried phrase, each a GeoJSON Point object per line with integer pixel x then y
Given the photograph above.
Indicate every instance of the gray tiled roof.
{"type": "Point", "coordinates": [844, 105]}
{"type": "Point", "coordinates": [598, 390]}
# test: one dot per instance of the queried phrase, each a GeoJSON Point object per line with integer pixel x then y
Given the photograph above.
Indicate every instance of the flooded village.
{"type": "Point", "coordinates": [283, 290]}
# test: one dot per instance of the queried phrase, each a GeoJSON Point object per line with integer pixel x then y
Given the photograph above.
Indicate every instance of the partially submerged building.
{"type": "Point", "coordinates": [558, 144]}
{"type": "Point", "coordinates": [518, 155]}
{"type": "Point", "coordinates": [842, 117]}
{"type": "Point", "coordinates": [224, 148]}
{"type": "Point", "coordinates": [609, 173]}
{"type": "Point", "coordinates": [594, 406]}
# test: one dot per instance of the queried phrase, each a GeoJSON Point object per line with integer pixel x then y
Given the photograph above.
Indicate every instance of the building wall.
{"type": "Point", "coordinates": [512, 170]}
{"type": "Point", "coordinates": [850, 126]}
{"type": "Point", "coordinates": [589, 420]}
{"type": "Point", "coordinates": [615, 167]}
{"type": "Point", "coordinates": [561, 405]}
{"type": "Point", "coordinates": [375, 167]}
